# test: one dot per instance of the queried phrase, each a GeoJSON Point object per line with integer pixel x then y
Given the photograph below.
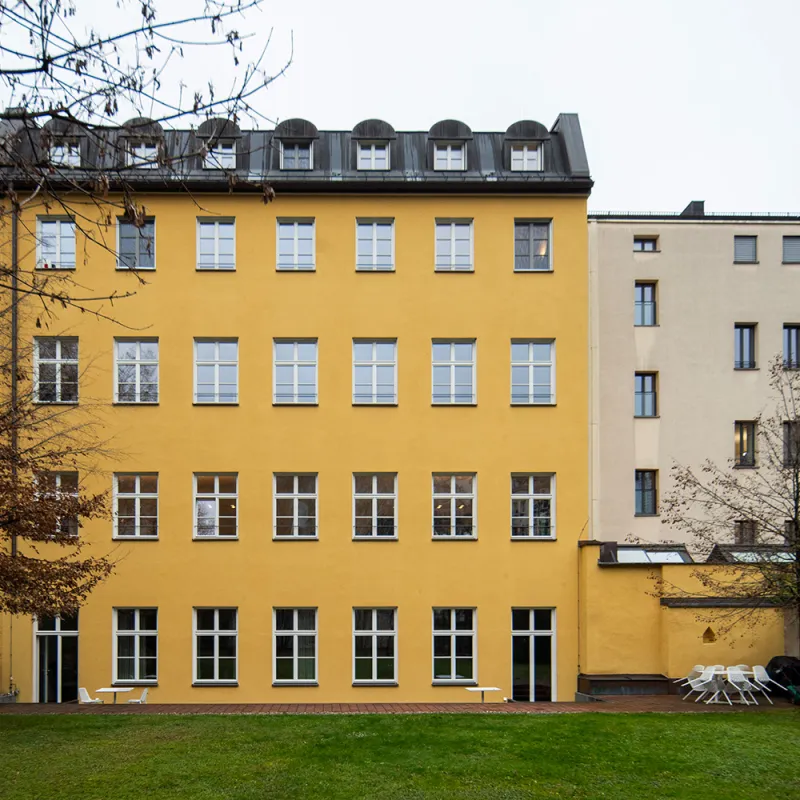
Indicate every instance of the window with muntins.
{"type": "Point", "coordinates": [135, 506]}
{"type": "Point", "coordinates": [645, 394]}
{"type": "Point", "coordinates": [135, 645]}
{"type": "Point", "coordinates": [55, 245]}
{"type": "Point", "coordinates": [745, 531]}
{"type": "Point", "coordinates": [526, 157]}
{"type": "Point", "coordinates": [137, 370]}
{"type": "Point", "coordinates": [532, 515]}
{"type": "Point", "coordinates": [65, 154]}
{"type": "Point", "coordinates": [61, 485]}
{"type": "Point", "coordinates": [296, 155]}
{"type": "Point", "coordinates": [453, 373]}
{"type": "Point", "coordinates": [449, 157]}
{"type": "Point", "coordinates": [532, 246]}
{"type": "Point", "coordinates": [215, 645]}
{"type": "Point", "coordinates": [532, 373]}
{"type": "Point", "coordinates": [644, 313]}
{"type": "Point", "coordinates": [296, 245]}
{"type": "Point", "coordinates": [744, 444]}
{"type": "Point", "coordinates": [374, 645]}
{"type": "Point", "coordinates": [375, 505]}
{"type": "Point", "coordinates": [645, 490]}
{"type": "Point", "coordinates": [220, 155]}
{"type": "Point", "coordinates": [375, 245]}
{"type": "Point", "coordinates": [745, 249]}
{"type": "Point", "coordinates": [791, 346]}
{"type": "Point", "coordinates": [216, 371]}
{"type": "Point", "coordinates": [216, 506]}
{"type": "Point", "coordinates": [295, 645]}
{"type": "Point", "coordinates": [373, 155]}
{"type": "Point", "coordinates": [791, 249]}
{"type": "Point", "coordinates": [296, 506]}
{"type": "Point", "coordinates": [295, 371]}
{"type": "Point", "coordinates": [791, 443]}
{"type": "Point", "coordinates": [136, 245]}
{"type": "Point", "coordinates": [216, 244]}
{"type": "Point", "coordinates": [454, 645]}
{"type": "Point", "coordinates": [744, 346]}
{"type": "Point", "coordinates": [645, 244]}
{"type": "Point", "coordinates": [56, 369]}
{"type": "Point", "coordinates": [454, 507]}
{"type": "Point", "coordinates": [374, 372]}
{"type": "Point", "coordinates": [143, 155]}
{"type": "Point", "coordinates": [454, 246]}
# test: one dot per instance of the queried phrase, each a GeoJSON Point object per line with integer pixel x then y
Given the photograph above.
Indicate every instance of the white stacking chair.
{"type": "Point", "coordinates": [702, 685]}
{"type": "Point", "coordinates": [695, 672]}
{"type": "Point", "coordinates": [85, 699]}
{"type": "Point", "coordinates": [719, 684]}
{"type": "Point", "coordinates": [140, 701]}
{"type": "Point", "coordinates": [761, 679]}
{"type": "Point", "coordinates": [738, 681]}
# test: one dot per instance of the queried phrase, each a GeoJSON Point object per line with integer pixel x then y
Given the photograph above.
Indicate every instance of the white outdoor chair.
{"type": "Point", "coordinates": [84, 699]}
{"type": "Point", "coordinates": [761, 679]}
{"type": "Point", "coordinates": [702, 685]}
{"type": "Point", "coordinates": [141, 700]}
{"type": "Point", "coordinates": [738, 681]}
{"type": "Point", "coordinates": [695, 672]}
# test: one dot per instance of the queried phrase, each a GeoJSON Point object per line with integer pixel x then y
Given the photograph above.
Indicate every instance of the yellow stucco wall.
{"type": "Point", "coordinates": [625, 629]}
{"type": "Point", "coordinates": [256, 439]}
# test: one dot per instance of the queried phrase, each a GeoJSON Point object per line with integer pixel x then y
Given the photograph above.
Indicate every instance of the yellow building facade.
{"type": "Point", "coordinates": [357, 545]}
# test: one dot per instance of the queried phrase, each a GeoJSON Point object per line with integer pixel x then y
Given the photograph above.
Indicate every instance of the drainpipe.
{"type": "Point", "coordinates": [14, 402]}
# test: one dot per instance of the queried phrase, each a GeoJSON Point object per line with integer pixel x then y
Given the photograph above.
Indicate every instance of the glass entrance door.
{"type": "Point", "coordinates": [532, 654]}
{"type": "Point", "coordinates": [57, 659]}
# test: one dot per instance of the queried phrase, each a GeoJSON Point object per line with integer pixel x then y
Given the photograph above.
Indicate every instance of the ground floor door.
{"type": "Point", "coordinates": [533, 654]}
{"type": "Point", "coordinates": [57, 660]}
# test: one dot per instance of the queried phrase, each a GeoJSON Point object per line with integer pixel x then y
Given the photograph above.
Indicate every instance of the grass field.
{"type": "Point", "coordinates": [435, 757]}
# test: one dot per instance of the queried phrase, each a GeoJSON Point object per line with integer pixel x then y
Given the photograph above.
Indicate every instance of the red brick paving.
{"type": "Point", "coordinates": [626, 704]}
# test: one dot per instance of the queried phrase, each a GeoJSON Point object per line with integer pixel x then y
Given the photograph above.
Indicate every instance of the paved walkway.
{"type": "Point", "coordinates": [628, 705]}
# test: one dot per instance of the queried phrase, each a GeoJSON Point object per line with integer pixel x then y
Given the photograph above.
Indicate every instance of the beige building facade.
{"type": "Point", "coordinates": [687, 312]}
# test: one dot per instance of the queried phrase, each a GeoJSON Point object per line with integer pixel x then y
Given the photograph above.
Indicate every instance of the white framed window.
{"type": "Point", "coordinates": [220, 155]}
{"type": "Point", "coordinates": [295, 510]}
{"type": "Point", "coordinates": [645, 244]}
{"type": "Point", "coordinates": [216, 506]}
{"type": "Point", "coordinates": [55, 243]}
{"type": "Point", "coordinates": [136, 370]}
{"type": "Point", "coordinates": [216, 244]}
{"type": "Point", "coordinates": [526, 157]}
{"type": "Point", "coordinates": [136, 506]}
{"type": "Point", "coordinates": [136, 645]}
{"type": "Point", "coordinates": [65, 154]}
{"type": "Point", "coordinates": [375, 645]}
{"type": "Point", "coordinates": [454, 251]}
{"type": "Point", "coordinates": [453, 373]}
{"type": "Point", "coordinates": [296, 244]}
{"type": "Point", "coordinates": [295, 371]}
{"type": "Point", "coordinates": [454, 652]}
{"type": "Point", "coordinates": [56, 642]}
{"type": "Point", "coordinates": [454, 507]}
{"type": "Point", "coordinates": [297, 155]}
{"type": "Point", "coordinates": [143, 155]}
{"type": "Point", "coordinates": [533, 372]}
{"type": "Point", "coordinates": [216, 645]}
{"type": "Point", "coordinates": [375, 505]}
{"type": "Point", "coordinates": [533, 507]}
{"type": "Point", "coordinates": [375, 245]}
{"type": "Point", "coordinates": [61, 486]}
{"type": "Point", "coordinates": [373, 155]}
{"type": "Point", "coordinates": [450, 157]}
{"type": "Point", "coordinates": [216, 371]}
{"type": "Point", "coordinates": [55, 369]}
{"type": "Point", "coordinates": [294, 643]}
{"type": "Point", "coordinates": [532, 251]}
{"type": "Point", "coordinates": [374, 371]}
{"type": "Point", "coordinates": [136, 245]}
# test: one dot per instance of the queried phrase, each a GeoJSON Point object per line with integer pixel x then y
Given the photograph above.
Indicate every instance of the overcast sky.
{"type": "Point", "coordinates": [679, 99]}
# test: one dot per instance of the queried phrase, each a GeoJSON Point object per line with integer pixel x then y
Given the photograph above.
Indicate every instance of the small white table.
{"type": "Point", "coordinates": [114, 689]}
{"type": "Point", "coordinates": [482, 689]}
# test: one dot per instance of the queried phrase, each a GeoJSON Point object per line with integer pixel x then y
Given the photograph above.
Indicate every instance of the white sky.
{"type": "Point", "coordinates": [679, 99]}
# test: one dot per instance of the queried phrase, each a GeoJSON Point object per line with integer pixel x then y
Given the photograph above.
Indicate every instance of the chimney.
{"type": "Point", "coordinates": [695, 209]}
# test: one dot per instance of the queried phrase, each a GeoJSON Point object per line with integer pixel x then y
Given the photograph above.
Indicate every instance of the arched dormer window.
{"type": "Point", "coordinates": [296, 139]}
{"type": "Point", "coordinates": [524, 146]}
{"type": "Point", "coordinates": [143, 143]}
{"type": "Point", "coordinates": [63, 141]}
{"type": "Point", "coordinates": [220, 138]}
{"type": "Point", "coordinates": [373, 140]}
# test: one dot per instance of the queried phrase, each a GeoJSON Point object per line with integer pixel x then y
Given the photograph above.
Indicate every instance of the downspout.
{"type": "Point", "coordinates": [14, 401]}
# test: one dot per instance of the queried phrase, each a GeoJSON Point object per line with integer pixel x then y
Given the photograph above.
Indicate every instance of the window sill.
{"type": "Point", "coordinates": [55, 402]}
{"type": "Point", "coordinates": [215, 269]}
{"type": "Point", "coordinates": [375, 538]}
{"type": "Point", "coordinates": [134, 683]}
{"type": "Point", "coordinates": [294, 403]}
{"type": "Point", "coordinates": [533, 539]}
{"type": "Point", "coordinates": [446, 271]}
{"type": "Point", "coordinates": [134, 538]}
{"type": "Point", "coordinates": [55, 269]}
{"type": "Point", "coordinates": [295, 269]}
{"type": "Point", "coordinates": [135, 269]}
{"type": "Point", "coordinates": [791, 263]}
{"type": "Point", "coordinates": [745, 466]}
{"type": "Point", "coordinates": [204, 684]}
{"type": "Point", "coordinates": [295, 538]}
{"type": "Point", "coordinates": [375, 683]}
{"type": "Point", "coordinates": [645, 251]}
{"type": "Point", "coordinates": [747, 369]}
{"type": "Point", "coordinates": [549, 271]}
{"type": "Point", "coordinates": [374, 269]}
{"type": "Point", "coordinates": [533, 405]}
{"type": "Point", "coordinates": [278, 684]}
{"type": "Point", "coordinates": [454, 683]}
{"type": "Point", "coordinates": [454, 538]}
{"type": "Point", "coordinates": [215, 538]}
{"type": "Point", "coordinates": [746, 262]}
{"type": "Point", "coordinates": [657, 325]}
{"type": "Point", "coordinates": [368, 404]}
{"type": "Point", "coordinates": [136, 402]}
{"type": "Point", "coordinates": [647, 515]}
{"type": "Point", "coordinates": [214, 403]}
{"type": "Point", "coordinates": [647, 416]}
{"type": "Point", "coordinates": [454, 405]}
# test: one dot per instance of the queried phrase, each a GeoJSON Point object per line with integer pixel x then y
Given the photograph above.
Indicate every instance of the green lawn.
{"type": "Point", "coordinates": [435, 757]}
